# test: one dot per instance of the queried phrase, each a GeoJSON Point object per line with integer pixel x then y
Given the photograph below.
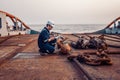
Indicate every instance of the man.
{"type": "Point", "coordinates": [46, 42]}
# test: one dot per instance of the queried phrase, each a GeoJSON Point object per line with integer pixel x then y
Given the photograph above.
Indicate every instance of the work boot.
{"type": "Point", "coordinates": [43, 53]}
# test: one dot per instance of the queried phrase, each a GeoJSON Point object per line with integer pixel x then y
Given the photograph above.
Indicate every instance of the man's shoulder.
{"type": "Point", "coordinates": [43, 30]}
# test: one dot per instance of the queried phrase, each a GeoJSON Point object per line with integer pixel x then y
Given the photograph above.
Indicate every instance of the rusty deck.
{"type": "Point", "coordinates": [20, 60]}
{"type": "Point", "coordinates": [103, 72]}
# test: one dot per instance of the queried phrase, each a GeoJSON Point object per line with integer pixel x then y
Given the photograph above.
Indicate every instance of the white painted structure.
{"type": "Point", "coordinates": [6, 30]}
{"type": "Point", "coordinates": [113, 30]}
{"type": "Point", "coordinates": [3, 29]}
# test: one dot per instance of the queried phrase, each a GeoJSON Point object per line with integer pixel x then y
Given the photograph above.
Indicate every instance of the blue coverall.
{"type": "Point", "coordinates": [43, 44]}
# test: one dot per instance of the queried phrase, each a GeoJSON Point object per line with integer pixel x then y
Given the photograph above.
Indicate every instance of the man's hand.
{"type": "Point", "coordinates": [51, 38]}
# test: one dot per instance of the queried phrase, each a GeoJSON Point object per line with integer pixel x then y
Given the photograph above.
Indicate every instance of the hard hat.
{"type": "Point", "coordinates": [51, 23]}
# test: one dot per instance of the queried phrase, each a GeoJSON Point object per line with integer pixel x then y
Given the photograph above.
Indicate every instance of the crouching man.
{"type": "Point", "coordinates": [46, 42]}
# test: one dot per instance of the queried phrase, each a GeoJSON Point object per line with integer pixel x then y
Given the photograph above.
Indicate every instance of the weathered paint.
{"type": "Point", "coordinates": [3, 29]}
{"type": "Point", "coordinates": [112, 30]}
{"type": "Point", "coordinates": [112, 27]}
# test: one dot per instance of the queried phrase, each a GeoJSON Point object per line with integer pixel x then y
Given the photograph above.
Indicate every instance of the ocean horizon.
{"type": "Point", "coordinates": [71, 28]}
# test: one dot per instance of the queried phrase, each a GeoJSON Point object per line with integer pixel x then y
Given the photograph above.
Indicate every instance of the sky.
{"type": "Point", "coordinates": [63, 11]}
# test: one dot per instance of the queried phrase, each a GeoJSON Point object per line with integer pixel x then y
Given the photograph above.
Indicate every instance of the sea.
{"type": "Point", "coordinates": [71, 28]}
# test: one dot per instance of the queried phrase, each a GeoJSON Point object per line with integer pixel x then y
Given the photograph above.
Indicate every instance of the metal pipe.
{"type": "Point", "coordinates": [88, 76]}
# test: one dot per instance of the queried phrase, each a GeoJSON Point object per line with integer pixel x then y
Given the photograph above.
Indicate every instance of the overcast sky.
{"type": "Point", "coordinates": [63, 11]}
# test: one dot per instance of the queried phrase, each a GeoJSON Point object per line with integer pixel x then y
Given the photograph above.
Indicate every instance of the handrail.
{"type": "Point", "coordinates": [12, 17]}
{"type": "Point", "coordinates": [112, 22]}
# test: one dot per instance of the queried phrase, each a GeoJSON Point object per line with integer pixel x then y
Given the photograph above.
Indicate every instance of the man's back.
{"type": "Point", "coordinates": [43, 37]}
